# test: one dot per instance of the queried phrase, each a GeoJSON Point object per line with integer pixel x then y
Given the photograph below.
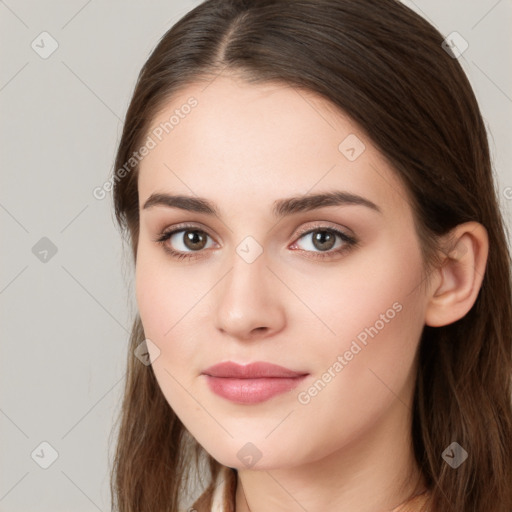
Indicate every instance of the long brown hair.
{"type": "Point", "coordinates": [385, 67]}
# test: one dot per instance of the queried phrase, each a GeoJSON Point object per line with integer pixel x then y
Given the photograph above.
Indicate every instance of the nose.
{"type": "Point", "coordinates": [248, 301]}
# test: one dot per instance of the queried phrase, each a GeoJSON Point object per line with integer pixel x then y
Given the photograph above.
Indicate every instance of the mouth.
{"type": "Point", "coordinates": [252, 383]}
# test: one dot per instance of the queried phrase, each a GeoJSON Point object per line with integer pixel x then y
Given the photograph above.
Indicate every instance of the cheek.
{"type": "Point", "coordinates": [171, 304]}
{"type": "Point", "coordinates": [165, 305]}
{"type": "Point", "coordinates": [363, 371]}
{"type": "Point", "coordinates": [371, 314]}
{"type": "Point", "coordinates": [164, 294]}
{"type": "Point", "coordinates": [154, 301]}
{"type": "Point", "coordinates": [371, 290]}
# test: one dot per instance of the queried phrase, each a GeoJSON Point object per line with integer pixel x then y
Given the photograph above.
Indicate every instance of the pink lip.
{"type": "Point", "coordinates": [252, 383]}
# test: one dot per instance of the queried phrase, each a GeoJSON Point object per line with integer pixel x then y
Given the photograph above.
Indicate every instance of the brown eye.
{"type": "Point", "coordinates": [194, 240]}
{"type": "Point", "coordinates": [323, 240]}
{"type": "Point", "coordinates": [186, 240]}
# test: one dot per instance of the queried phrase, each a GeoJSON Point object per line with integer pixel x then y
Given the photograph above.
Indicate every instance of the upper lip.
{"type": "Point", "coordinates": [255, 370]}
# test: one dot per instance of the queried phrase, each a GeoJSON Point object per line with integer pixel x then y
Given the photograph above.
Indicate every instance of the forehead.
{"type": "Point", "coordinates": [230, 139]}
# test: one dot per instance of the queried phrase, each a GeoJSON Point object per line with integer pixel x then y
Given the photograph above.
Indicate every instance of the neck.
{"type": "Point", "coordinates": [372, 473]}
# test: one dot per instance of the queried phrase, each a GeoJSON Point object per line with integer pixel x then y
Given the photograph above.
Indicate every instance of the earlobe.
{"type": "Point", "coordinates": [460, 275]}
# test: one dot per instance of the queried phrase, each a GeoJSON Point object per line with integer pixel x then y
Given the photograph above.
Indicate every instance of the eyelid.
{"type": "Point", "coordinates": [321, 224]}
{"type": "Point", "coordinates": [183, 226]}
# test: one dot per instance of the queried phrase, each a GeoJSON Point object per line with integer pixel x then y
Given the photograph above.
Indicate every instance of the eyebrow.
{"type": "Point", "coordinates": [281, 207]}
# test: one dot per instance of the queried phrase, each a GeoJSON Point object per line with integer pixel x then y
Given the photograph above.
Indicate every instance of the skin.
{"type": "Point", "coordinates": [243, 147]}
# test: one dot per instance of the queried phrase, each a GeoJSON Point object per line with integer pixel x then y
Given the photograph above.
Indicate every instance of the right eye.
{"type": "Point", "coordinates": [183, 242]}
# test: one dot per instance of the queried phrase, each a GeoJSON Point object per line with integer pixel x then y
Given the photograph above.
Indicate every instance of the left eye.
{"type": "Point", "coordinates": [324, 240]}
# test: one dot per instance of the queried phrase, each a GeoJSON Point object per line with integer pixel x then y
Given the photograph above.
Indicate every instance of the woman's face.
{"type": "Point", "coordinates": [330, 289]}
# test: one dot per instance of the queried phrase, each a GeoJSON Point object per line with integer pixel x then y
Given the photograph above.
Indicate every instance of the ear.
{"type": "Point", "coordinates": [458, 280]}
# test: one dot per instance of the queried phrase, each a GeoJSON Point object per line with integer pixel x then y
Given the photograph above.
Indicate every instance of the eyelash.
{"type": "Point", "coordinates": [349, 242]}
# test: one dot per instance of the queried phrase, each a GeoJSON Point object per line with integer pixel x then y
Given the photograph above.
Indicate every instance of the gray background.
{"type": "Point", "coordinates": [65, 317]}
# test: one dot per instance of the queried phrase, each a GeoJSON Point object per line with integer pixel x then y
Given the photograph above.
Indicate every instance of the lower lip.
{"type": "Point", "coordinates": [251, 391]}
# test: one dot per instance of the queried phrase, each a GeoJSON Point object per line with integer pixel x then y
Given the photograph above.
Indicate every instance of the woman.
{"type": "Point", "coordinates": [321, 268]}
